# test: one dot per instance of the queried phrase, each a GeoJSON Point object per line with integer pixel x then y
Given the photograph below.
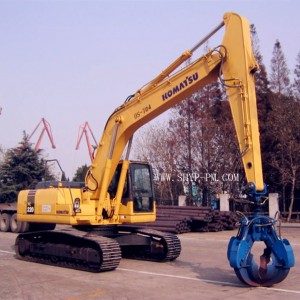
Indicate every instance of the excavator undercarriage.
{"type": "Point", "coordinates": [96, 249]}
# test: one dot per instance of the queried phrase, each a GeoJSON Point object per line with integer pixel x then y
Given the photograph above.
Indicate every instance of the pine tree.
{"type": "Point", "coordinates": [80, 173]}
{"type": "Point", "coordinates": [21, 168]}
{"type": "Point", "coordinates": [261, 78]}
{"type": "Point", "coordinates": [261, 84]}
{"type": "Point", "coordinates": [279, 78]}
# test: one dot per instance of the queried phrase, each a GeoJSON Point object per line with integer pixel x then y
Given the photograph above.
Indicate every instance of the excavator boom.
{"type": "Point", "coordinates": [234, 59]}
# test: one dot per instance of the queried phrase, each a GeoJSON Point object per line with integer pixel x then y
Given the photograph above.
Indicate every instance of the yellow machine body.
{"type": "Point", "coordinates": [65, 204]}
{"type": "Point", "coordinates": [117, 192]}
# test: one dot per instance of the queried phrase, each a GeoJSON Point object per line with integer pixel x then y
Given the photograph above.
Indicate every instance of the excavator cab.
{"type": "Point", "coordinates": [140, 179]}
{"type": "Point", "coordinates": [138, 192]}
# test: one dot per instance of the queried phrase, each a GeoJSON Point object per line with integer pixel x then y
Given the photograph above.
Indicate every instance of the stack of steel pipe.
{"type": "Point", "coordinates": [198, 218]}
{"type": "Point", "coordinates": [182, 219]}
{"type": "Point", "coordinates": [227, 218]}
{"type": "Point", "coordinates": [168, 225]}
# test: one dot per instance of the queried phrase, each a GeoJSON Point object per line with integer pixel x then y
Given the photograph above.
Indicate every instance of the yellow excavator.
{"type": "Point", "coordinates": [119, 192]}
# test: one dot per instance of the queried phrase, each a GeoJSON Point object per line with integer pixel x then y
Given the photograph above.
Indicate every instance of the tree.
{"type": "Point", "coordinates": [80, 173]}
{"type": "Point", "coordinates": [21, 168]}
{"type": "Point", "coordinates": [296, 85]}
{"type": "Point", "coordinates": [1, 153]}
{"type": "Point", "coordinates": [284, 129]}
{"type": "Point", "coordinates": [261, 78]}
{"type": "Point", "coordinates": [206, 144]}
{"type": "Point", "coordinates": [227, 157]}
{"type": "Point", "coordinates": [279, 78]}
{"type": "Point", "coordinates": [195, 148]}
{"type": "Point", "coordinates": [156, 144]}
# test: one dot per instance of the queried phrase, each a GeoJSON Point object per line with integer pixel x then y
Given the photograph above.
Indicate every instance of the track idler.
{"type": "Point", "coordinates": [276, 259]}
{"type": "Point", "coordinates": [274, 263]}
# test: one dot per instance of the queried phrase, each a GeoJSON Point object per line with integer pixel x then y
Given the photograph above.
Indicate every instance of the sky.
{"type": "Point", "coordinates": [75, 61]}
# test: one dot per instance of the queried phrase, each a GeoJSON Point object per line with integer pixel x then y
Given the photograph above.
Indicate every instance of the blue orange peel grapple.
{"type": "Point", "coordinates": [277, 258]}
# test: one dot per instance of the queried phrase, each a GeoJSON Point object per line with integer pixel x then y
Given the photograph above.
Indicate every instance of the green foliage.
{"type": "Point", "coordinates": [80, 173]}
{"type": "Point", "coordinates": [21, 168]}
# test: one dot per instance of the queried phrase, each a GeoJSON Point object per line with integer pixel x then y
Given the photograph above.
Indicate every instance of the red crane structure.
{"type": "Point", "coordinates": [85, 129]}
{"type": "Point", "coordinates": [46, 128]}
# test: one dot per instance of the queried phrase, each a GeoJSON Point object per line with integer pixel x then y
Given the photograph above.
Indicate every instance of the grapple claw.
{"type": "Point", "coordinates": [252, 274]}
{"type": "Point", "coordinates": [274, 263]}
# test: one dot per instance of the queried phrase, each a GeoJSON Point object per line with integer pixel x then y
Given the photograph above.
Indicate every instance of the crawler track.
{"type": "Point", "coordinates": [149, 244]}
{"type": "Point", "coordinates": [70, 249]}
{"type": "Point", "coordinates": [96, 250]}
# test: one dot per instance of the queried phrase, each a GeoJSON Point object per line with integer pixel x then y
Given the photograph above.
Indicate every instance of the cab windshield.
{"type": "Point", "coordinates": [141, 187]}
